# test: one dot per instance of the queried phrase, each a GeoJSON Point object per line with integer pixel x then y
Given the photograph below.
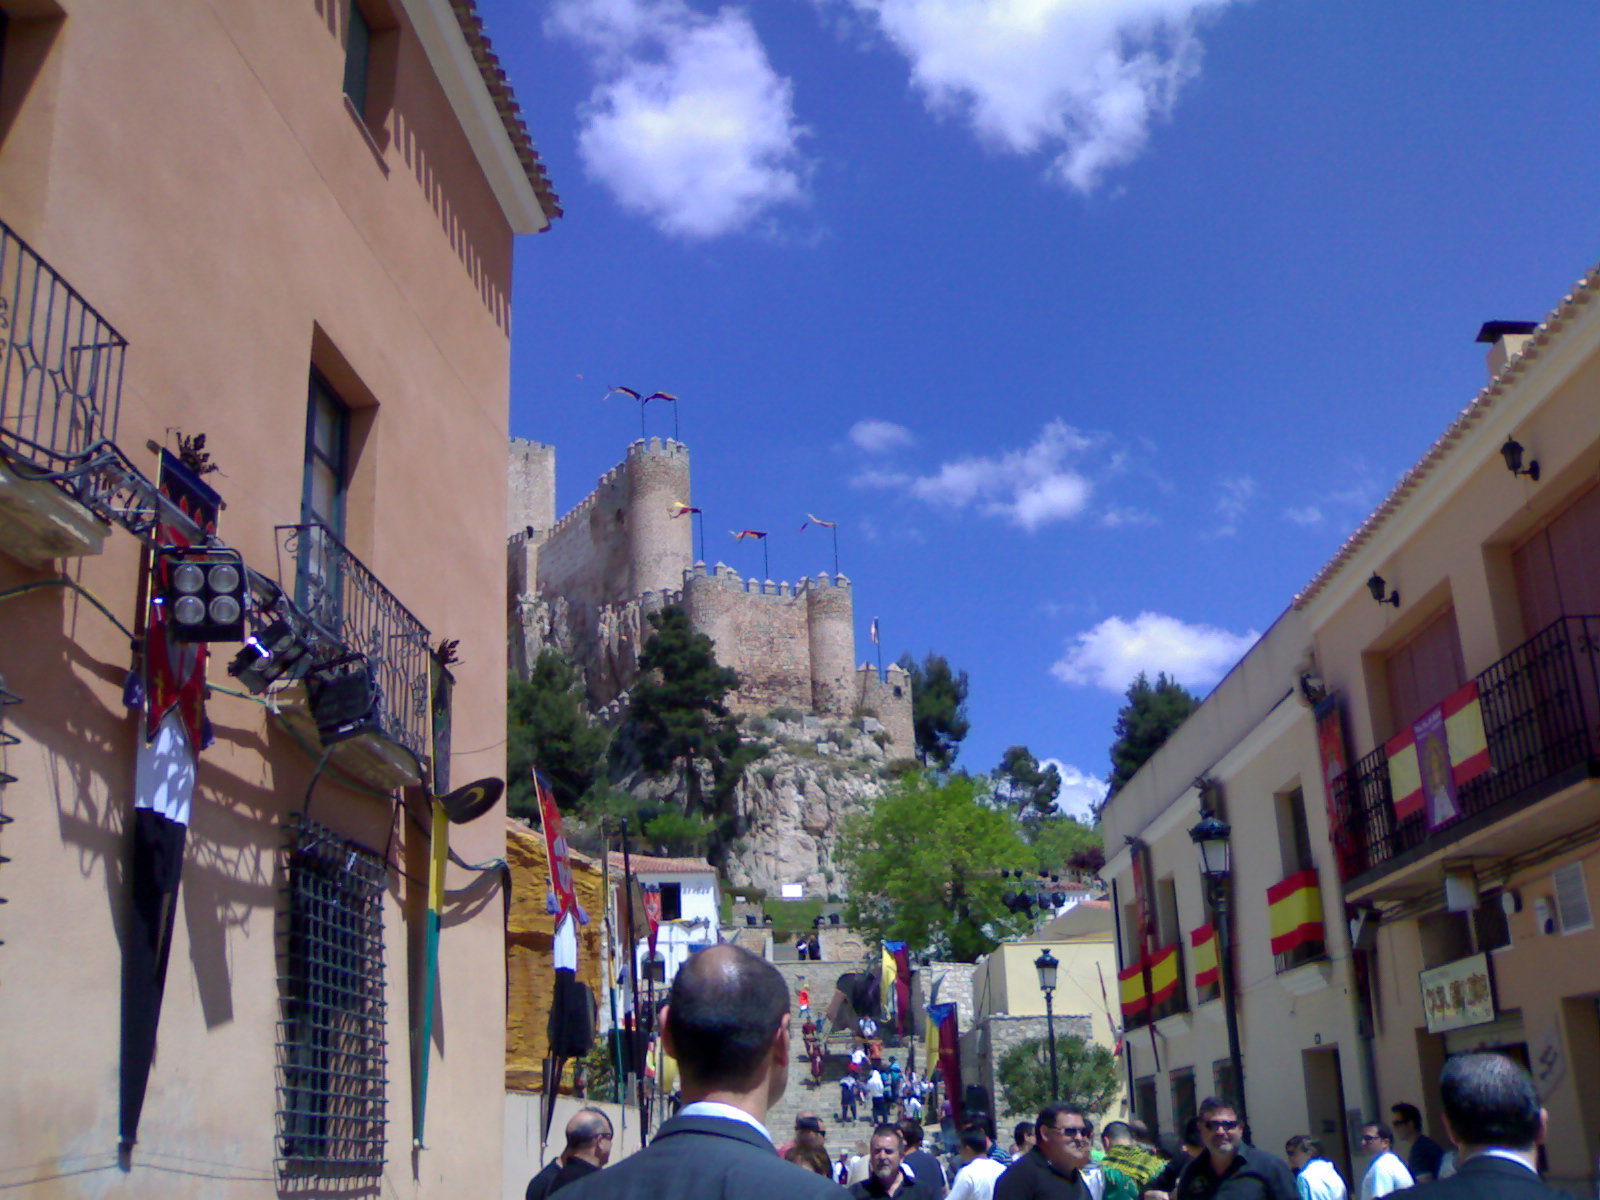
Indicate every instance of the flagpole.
{"type": "Point", "coordinates": [766, 569]}
{"type": "Point", "coordinates": [836, 550]}
{"type": "Point", "coordinates": [877, 640]}
{"type": "Point", "coordinates": [701, 518]}
{"type": "Point", "coordinates": [634, 1042]}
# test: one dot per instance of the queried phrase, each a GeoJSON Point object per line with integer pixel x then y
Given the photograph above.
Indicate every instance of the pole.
{"type": "Point", "coordinates": [836, 550]}
{"type": "Point", "coordinates": [1219, 905]}
{"type": "Point", "coordinates": [635, 1039]}
{"type": "Point", "coordinates": [701, 518]}
{"type": "Point", "coordinates": [766, 569]}
{"type": "Point", "coordinates": [1050, 1035]}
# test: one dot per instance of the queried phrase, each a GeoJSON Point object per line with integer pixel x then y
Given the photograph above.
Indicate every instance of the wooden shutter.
{"type": "Point", "coordinates": [1558, 568]}
{"type": "Point", "coordinates": [1424, 670]}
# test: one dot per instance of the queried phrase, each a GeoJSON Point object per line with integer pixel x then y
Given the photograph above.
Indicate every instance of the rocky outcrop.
{"type": "Point", "coordinates": [793, 800]}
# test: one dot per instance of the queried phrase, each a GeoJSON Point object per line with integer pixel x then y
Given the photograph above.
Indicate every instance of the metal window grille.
{"type": "Point", "coordinates": [331, 1036]}
{"type": "Point", "coordinates": [7, 740]}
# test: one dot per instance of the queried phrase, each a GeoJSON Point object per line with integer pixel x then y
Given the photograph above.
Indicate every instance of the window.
{"type": "Point", "coordinates": [1224, 1084]}
{"type": "Point", "coordinates": [318, 583]}
{"type": "Point", "coordinates": [1144, 1101]}
{"type": "Point", "coordinates": [671, 901]}
{"type": "Point", "coordinates": [1424, 670]}
{"type": "Point", "coordinates": [1294, 832]}
{"type": "Point", "coordinates": [1489, 925]}
{"type": "Point", "coordinates": [1184, 1104]}
{"type": "Point", "coordinates": [331, 1037]}
{"type": "Point", "coordinates": [357, 57]}
{"type": "Point", "coordinates": [1572, 899]}
{"type": "Point", "coordinates": [1558, 568]}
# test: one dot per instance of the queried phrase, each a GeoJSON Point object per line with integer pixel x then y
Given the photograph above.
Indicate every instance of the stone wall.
{"type": "Point", "coordinates": [532, 486]}
{"type": "Point", "coordinates": [956, 986]}
{"type": "Point", "coordinates": [998, 1033]}
{"type": "Point", "coordinates": [887, 697]}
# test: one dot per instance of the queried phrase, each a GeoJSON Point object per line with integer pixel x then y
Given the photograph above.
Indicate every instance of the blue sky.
{"type": "Point", "coordinates": [1096, 324]}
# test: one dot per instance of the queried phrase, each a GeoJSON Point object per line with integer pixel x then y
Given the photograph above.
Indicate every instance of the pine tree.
{"type": "Point", "coordinates": [1022, 784]}
{"type": "Point", "coordinates": [1144, 724]}
{"type": "Point", "coordinates": [938, 709]}
{"type": "Point", "coordinates": [547, 726]}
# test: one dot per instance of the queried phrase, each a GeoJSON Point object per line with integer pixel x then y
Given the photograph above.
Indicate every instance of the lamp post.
{"type": "Point", "coordinates": [1211, 834]}
{"type": "Point", "coordinates": [1046, 965]}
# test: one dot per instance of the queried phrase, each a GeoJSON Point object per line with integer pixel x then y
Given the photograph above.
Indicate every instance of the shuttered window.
{"type": "Point", "coordinates": [1558, 568]}
{"type": "Point", "coordinates": [1424, 670]}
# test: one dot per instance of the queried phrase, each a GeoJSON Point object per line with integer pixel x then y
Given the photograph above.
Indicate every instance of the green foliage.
{"type": "Point", "coordinates": [924, 865]}
{"type": "Point", "coordinates": [547, 726]}
{"type": "Point", "coordinates": [1063, 843]}
{"type": "Point", "coordinates": [1087, 1070]}
{"type": "Point", "coordinates": [1145, 722]}
{"type": "Point", "coordinates": [784, 713]}
{"type": "Point", "coordinates": [1026, 787]}
{"type": "Point", "coordinates": [678, 726]}
{"type": "Point", "coordinates": [938, 709]}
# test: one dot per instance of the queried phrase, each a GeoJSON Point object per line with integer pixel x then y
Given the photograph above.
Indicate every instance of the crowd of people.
{"type": "Point", "coordinates": [727, 1023]}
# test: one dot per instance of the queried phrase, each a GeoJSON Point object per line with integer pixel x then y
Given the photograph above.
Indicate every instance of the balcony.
{"type": "Point", "coordinates": [1152, 988]}
{"type": "Point", "coordinates": [354, 613]}
{"type": "Point", "coordinates": [1541, 720]}
{"type": "Point", "coordinates": [60, 398]}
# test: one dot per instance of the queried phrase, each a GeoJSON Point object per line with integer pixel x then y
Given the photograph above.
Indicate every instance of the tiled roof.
{"type": "Point", "coordinates": [494, 78]}
{"type": "Point", "coordinates": [1583, 293]}
{"type": "Point", "coordinates": [661, 866]}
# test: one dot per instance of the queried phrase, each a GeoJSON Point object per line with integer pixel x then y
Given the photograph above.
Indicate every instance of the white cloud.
{"type": "Point", "coordinates": [1115, 517]}
{"type": "Point", "coordinates": [1079, 80]}
{"type": "Point", "coordinates": [1029, 487]}
{"type": "Point", "coordinates": [880, 437]}
{"type": "Point", "coordinates": [1112, 653]}
{"type": "Point", "coordinates": [1309, 515]}
{"type": "Point", "coordinates": [1080, 791]}
{"type": "Point", "coordinates": [690, 126]}
{"type": "Point", "coordinates": [1237, 496]}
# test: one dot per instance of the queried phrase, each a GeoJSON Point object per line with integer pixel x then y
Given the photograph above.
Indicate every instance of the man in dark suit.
{"type": "Point", "coordinates": [1492, 1113]}
{"type": "Point", "coordinates": [727, 1025]}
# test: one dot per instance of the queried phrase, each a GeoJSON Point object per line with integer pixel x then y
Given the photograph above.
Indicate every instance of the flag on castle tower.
{"type": "Point", "coordinates": [625, 391]}
{"type": "Point", "coordinates": [680, 509]}
{"type": "Point", "coordinates": [810, 520]}
{"type": "Point", "coordinates": [660, 396]}
{"type": "Point", "coordinates": [874, 631]}
{"type": "Point", "coordinates": [739, 535]}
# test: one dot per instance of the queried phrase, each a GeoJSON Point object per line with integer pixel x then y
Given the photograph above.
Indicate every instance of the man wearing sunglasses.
{"type": "Point", "coordinates": [1057, 1168]}
{"type": "Point", "coordinates": [1229, 1169]}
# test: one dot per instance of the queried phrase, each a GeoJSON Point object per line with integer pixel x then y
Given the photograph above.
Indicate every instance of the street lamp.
{"type": "Point", "coordinates": [1046, 965]}
{"type": "Point", "coordinates": [1210, 834]}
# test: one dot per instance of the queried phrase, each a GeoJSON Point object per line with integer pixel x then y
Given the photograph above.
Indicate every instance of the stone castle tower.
{"type": "Point", "coordinates": [584, 583]}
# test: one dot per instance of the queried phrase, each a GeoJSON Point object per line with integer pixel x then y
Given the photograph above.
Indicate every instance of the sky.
{"type": "Point", "coordinates": [1097, 325]}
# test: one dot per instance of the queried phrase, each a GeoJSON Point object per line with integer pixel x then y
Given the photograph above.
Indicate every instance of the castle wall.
{"type": "Point", "coordinates": [830, 628]}
{"type": "Point", "coordinates": [660, 546]}
{"type": "Point", "coordinates": [889, 696]}
{"type": "Point", "coordinates": [532, 486]}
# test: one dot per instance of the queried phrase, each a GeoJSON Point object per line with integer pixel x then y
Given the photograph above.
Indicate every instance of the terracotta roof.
{"type": "Point", "coordinates": [662, 866]}
{"type": "Point", "coordinates": [1581, 294]}
{"type": "Point", "coordinates": [505, 101]}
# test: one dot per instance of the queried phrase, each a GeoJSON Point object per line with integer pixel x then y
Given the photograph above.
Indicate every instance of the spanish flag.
{"type": "Point", "coordinates": [1161, 970]}
{"type": "Point", "coordinates": [1294, 907]}
{"type": "Point", "coordinates": [1131, 991]}
{"type": "Point", "coordinates": [1164, 979]}
{"type": "Point", "coordinates": [1442, 749]}
{"type": "Point", "coordinates": [1203, 950]}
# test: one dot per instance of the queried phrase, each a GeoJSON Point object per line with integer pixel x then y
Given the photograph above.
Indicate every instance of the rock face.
{"type": "Point", "coordinates": [793, 800]}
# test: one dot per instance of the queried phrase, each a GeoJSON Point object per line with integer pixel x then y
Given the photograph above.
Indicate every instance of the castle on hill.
{"type": "Point", "coordinates": [584, 584]}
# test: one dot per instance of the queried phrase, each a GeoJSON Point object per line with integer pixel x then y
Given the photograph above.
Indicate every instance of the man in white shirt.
{"type": "Point", "coordinates": [874, 1090]}
{"type": "Point", "coordinates": [975, 1177]}
{"type": "Point", "coordinates": [1315, 1178]}
{"type": "Point", "coordinates": [1387, 1173]}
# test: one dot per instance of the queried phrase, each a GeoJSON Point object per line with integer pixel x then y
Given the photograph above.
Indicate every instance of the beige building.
{"type": "Point", "coordinates": [1009, 1007]}
{"type": "Point", "coordinates": [1251, 749]}
{"type": "Point", "coordinates": [1466, 820]}
{"type": "Point", "coordinates": [288, 228]}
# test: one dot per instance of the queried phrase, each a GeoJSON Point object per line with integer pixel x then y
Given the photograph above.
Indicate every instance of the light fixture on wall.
{"type": "Point", "coordinates": [1512, 453]}
{"type": "Point", "coordinates": [1377, 585]}
{"type": "Point", "coordinates": [345, 699]}
{"type": "Point", "coordinates": [276, 653]}
{"type": "Point", "coordinates": [202, 589]}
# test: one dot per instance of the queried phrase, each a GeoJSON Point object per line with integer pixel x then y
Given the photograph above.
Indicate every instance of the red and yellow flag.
{"type": "Point", "coordinates": [1203, 950]}
{"type": "Point", "coordinates": [1294, 908]}
{"type": "Point", "coordinates": [1442, 749]}
{"type": "Point", "coordinates": [1161, 968]}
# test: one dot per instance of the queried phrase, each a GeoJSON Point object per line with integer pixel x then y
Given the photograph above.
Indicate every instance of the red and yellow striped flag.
{"type": "Point", "coordinates": [1203, 950]}
{"type": "Point", "coordinates": [1468, 749]}
{"type": "Point", "coordinates": [1294, 908]}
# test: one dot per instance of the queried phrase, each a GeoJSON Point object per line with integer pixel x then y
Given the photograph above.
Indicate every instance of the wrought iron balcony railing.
{"type": "Point", "coordinates": [1541, 719]}
{"type": "Point", "coordinates": [60, 378]}
{"type": "Point", "coordinates": [352, 608]}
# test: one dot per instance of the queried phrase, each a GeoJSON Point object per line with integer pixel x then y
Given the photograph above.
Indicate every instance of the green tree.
{"type": "Point", "coordinates": [1064, 843]}
{"type": "Point", "coordinates": [1087, 1070]}
{"type": "Point", "coordinates": [677, 725]}
{"type": "Point", "coordinates": [1144, 723]}
{"type": "Point", "coordinates": [1025, 786]}
{"type": "Point", "coordinates": [923, 864]}
{"type": "Point", "coordinates": [938, 709]}
{"type": "Point", "coordinates": [548, 726]}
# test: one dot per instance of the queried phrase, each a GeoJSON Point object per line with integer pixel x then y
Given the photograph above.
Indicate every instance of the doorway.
{"type": "Point", "coordinates": [1325, 1104]}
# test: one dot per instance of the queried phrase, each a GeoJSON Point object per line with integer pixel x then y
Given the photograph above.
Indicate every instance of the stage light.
{"type": "Point", "coordinates": [276, 653]}
{"type": "Point", "coordinates": [203, 591]}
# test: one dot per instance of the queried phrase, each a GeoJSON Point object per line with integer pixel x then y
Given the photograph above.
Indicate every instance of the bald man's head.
{"type": "Point", "coordinates": [589, 1136]}
{"type": "Point", "coordinates": [722, 1015]}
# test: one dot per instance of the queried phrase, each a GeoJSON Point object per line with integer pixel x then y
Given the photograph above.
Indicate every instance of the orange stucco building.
{"type": "Point", "coordinates": [287, 227]}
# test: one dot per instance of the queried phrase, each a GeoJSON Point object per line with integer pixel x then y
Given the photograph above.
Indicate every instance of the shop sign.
{"type": "Point", "coordinates": [1458, 994]}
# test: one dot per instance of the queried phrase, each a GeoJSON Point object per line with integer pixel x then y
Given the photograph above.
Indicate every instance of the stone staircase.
{"type": "Point", "coordinates": [801, 1096]}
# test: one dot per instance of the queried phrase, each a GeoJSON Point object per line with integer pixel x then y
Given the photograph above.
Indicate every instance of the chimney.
{"type": "Point", "coordinates": [1505, 340]}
